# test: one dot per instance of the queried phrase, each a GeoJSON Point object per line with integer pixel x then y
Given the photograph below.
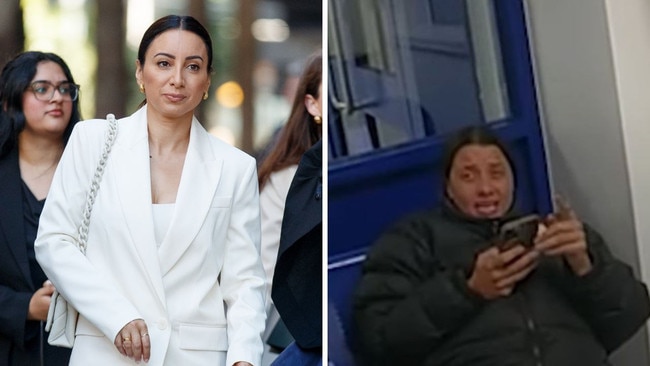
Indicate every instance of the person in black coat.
{"type": "Point", "coordinates": [41, 106]}
{"type": "Point", "coordinates": [297, 290]}
{"type": "Point", "coordinates": [441, 288]}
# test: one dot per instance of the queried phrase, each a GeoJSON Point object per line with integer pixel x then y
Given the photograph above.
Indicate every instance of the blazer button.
{"type": "Point", "coordinates": [162, 324]}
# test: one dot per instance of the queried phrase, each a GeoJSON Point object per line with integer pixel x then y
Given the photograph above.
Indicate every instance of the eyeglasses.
{"type": "Point", "coordinates": [44, 90]}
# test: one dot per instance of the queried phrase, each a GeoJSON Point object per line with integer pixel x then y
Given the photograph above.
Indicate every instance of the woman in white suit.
{"type": "Point", "coordinates": [172, 273]}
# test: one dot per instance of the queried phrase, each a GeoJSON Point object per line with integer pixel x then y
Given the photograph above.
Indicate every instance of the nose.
{"type": "Point", "coordinates": [485, 186]}
{"type": "Point", "coordinates": [177, 76]}
{"type": "Point", "coordinates": [57, 96]}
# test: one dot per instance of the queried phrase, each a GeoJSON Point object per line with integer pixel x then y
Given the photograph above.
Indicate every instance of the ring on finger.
{"type": "Point", "coordinates": [144, 335]}
{"type": "Point", "coordinates": [126, 339]}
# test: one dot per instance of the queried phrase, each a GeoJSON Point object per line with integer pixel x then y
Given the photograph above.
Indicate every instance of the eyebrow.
{"type": "Point", "coordinates": [55, 83]}
{"type": "Point", "coordinates": [174, 57]}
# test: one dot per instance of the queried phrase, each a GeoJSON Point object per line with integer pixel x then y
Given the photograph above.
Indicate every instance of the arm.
{"type": "Point", "coordinates": [77, 279]}
{"type": "Point", "coordinates": [610, 298]}
{"type": "Point", "coordinates": [406, 300]}
{"type": "Point", "coordinates": [242, 275]}
{"type": "Point", "coordinates": [13, 316]}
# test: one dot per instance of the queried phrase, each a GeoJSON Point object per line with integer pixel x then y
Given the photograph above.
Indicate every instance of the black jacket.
{"type": "Point", "coordinates": [413, 306]}
{"type": "Point", "coordinates": [22, 342]}
{"type": "Point", "coordinates": [297, 290]}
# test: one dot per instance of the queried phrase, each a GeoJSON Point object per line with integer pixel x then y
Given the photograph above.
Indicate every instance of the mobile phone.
{"type": "Point", "coordinates": [519, 231]}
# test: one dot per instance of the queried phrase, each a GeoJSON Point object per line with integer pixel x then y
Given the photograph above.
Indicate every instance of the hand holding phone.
{"type": "Point", "coordinates": [520, 231]}
{"type": "Point", "coordinates": [565, 236]}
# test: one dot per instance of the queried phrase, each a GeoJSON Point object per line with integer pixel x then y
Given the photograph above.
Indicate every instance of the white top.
{"type": "Point", "coordinates": [272, 198]}
{"type": "Point", "coordinates": [162, 217]}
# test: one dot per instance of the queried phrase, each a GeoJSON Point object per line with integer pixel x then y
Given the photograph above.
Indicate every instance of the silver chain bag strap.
{"type": "Point", "coordinates": [62, 317]}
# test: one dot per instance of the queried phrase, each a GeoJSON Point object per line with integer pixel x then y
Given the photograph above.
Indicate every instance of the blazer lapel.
{"type": "Point", "coordinates": [11, 214]}
{"type": "Point", "coordinates": [133, 178]}
{"type": "Point", "coordinates": [199, 180]}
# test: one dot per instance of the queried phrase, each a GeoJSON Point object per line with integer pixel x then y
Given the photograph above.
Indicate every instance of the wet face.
{"type": "Point", "coordinates": [480, 181]}
{"type": "Point", "coordinates": [47, 118]}
{"type": "Point", "coordinates": [175, 74]}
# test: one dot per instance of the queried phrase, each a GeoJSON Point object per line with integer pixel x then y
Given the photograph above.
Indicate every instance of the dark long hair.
{"type": "Point", "coordinates": [183, 22]}
{"type": "Point", "coordinates": [300, 132]}
{"type": "Point", "coordinates": [15, 79]}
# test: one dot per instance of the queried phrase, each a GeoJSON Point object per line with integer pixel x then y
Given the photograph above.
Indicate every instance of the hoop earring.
{"type": "Point", "coordinates": [318, 120]}
{"type": "Point", "coordinates": [142, 88]}
{"type": "Point", "coordinates": [205, 96]}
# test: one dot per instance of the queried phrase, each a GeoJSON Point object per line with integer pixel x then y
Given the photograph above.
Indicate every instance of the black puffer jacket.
{"type": "Point", "coordinates": [412, 305]}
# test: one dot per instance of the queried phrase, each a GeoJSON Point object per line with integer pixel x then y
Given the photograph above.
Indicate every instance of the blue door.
{"type": "Point", "coordinates": [403, 76]}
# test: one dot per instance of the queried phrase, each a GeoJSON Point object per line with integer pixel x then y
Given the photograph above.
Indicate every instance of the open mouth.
{"type": "Point", "coordinates": [487, 208]}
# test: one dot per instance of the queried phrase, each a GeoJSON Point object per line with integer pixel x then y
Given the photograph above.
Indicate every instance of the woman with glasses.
{"type": "Point", "coordinates": [40, 106]}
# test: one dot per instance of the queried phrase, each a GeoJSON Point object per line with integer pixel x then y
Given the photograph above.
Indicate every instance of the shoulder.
{"type": "Point", "coordinates": [409, 237]}
{"type": "Point", "coordinates": [283, 177]}
{"type": "Point", "coordinates": [225, 151]}
{"type": "Point", "coordinates": [9, 160]}
{"type": "Point", "coordinates": [277, 186]}
{"type": "Point", "coordinates": [90, 130]}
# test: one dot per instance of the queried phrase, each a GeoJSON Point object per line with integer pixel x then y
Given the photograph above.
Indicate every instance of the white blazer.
{"type": "Point", "coordinates": [201, 292]}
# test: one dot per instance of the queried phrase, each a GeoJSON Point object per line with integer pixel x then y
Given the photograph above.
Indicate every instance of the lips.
{"type": "Point", "coordinates": [55, 113]}
{"type": "Point", "coordinates": [175, 98]}
{"type": "Point", "coordinates": [487, 208]}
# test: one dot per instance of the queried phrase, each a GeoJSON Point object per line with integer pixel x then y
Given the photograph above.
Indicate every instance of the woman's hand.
{"type": "Point", "coordinates": [565, 236]}
{"type": "Point", "coordinates": [133, 341]}
{"type": "Point", "coordinates": [39, 304]}
{"type": "Point", "coordinates": [497, 272]}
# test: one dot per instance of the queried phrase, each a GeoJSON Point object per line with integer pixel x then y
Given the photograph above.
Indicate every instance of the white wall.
{"type": "Point", "coordinates": [592, 67]}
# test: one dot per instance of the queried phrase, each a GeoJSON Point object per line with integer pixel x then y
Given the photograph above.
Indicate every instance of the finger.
{"type": "Point", "coordinates": [127, 345]}
{"type": "Point", "coordinates": [48, 290]}
{"type": "Point", "coordinates": [564, 210]}
{"type": "Point", "coordinates": [559, 227]}
{"type": "Point", "coordinates": [511, 280]}
{"type": "Point", "coordinates": [145, 341]}
{"type": "Point", "coordinates": [136, 346]}
{"type": "Point", "coordinates": [486, 259]}
{"type": "Point", "coordinates": [508, 244]}
{"type": "Point", "coordinates": [118, 344]}
{"type": "Point", "coordinates": [521, 263]}
{"type": "Point", "coordinates": [559, 240]}
{"type": "Point", "coordinates": [511, 254]}
{"type": "Point", "coordinates": [146, 346]}
{"type": "Point", "coordinates": [506, 291]}
{"type": "Point", "coordinates": [567, 249]}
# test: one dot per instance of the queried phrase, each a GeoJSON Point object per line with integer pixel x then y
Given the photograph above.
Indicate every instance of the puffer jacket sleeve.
{"type": "Point", "coordinates": [406, 302]}
{"type": "Point", "coordinates": [610, 298]}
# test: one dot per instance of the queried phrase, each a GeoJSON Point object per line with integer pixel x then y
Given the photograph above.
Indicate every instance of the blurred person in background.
{"type": "Point", "coordinates": [297, 279]}
{"type": "Point", "coordinates": [172, 274]}
{"type": "Point", "coordinates": [301, 131]}
{"type": "Point", "coordinates": [40, 106]}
